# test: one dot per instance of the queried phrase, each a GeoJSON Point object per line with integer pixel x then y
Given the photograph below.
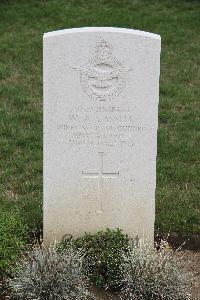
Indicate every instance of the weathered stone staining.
{"type": "Point", "coordinates": [101, 93]}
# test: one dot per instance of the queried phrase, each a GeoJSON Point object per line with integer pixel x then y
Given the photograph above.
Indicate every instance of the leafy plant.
{"type": "Point", "coordinates": [102, 255]}
{"type": "Point", "coordinates": [50, 275]}
{"type": "Point", "coordinates": [153, 275]}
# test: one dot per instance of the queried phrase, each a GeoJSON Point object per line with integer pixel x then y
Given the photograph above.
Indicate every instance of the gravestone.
{"type": "Point", "coordinates": [101, 93]}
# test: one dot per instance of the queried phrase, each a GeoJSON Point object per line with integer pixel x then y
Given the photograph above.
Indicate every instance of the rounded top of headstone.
{"type": "Point", "coordinates": [103, 30]}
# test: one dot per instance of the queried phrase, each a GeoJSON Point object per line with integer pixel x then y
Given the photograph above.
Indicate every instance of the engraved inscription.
{"type": "Point", "coordinates": [108, 126]}
{"type": "Point", "coordinates": [103, 76]}
{"type": "Point", "coordinates": [100, 175]}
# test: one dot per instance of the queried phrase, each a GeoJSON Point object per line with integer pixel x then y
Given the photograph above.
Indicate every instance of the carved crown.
{"type": "Point", "coordinates": [104, 48]}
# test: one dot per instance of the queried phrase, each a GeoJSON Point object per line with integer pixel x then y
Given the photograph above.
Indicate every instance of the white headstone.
{"type": "Point", "coordinates": [101, 93]}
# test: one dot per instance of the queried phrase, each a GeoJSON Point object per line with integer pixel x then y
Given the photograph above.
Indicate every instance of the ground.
{"type": "Point", "coordinates": [191, 263]}
{"type": "Point", "coordinates": [22, 24]}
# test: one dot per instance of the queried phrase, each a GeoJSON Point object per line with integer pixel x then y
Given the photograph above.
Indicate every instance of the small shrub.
{"type": "Point", "coordinates": [149, 274]}
{"type": "Point", "coordinates": [50, 275]}
{"type": "Point", "coordinates": [103, 256]}
{"type": "Point", "coordinates": [13, 238]}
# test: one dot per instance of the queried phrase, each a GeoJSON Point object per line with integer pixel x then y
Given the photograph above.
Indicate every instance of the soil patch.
{"type": "Point", "coordinates": [191, 263]}
{"type": "Point", "coordinates": [176, 240]}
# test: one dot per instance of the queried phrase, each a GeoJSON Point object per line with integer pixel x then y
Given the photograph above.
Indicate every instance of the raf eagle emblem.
{"type": "Point", "coordinates": [103, 76]}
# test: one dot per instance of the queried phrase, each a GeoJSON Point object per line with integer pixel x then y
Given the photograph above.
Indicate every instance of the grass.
{"type": "Point", "coordinates": [22, 24]}
{"type": "Point", "coordinates": [13, 237]}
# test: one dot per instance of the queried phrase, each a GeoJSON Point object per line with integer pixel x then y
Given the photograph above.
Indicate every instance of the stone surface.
{"type": "Point", "coordinates": [101, 93]}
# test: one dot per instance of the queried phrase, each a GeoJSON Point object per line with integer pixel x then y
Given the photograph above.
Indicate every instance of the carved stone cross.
{"type": "Point", "coordinates": [101, 175]}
